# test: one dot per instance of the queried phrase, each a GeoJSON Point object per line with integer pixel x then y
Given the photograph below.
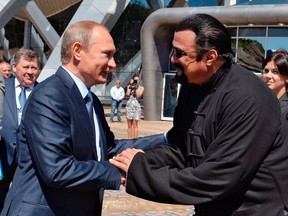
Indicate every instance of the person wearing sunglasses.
{"type": "Point", "coordinates": [275, 75]}
{"type": "Point", "coordinates": [227, 151]}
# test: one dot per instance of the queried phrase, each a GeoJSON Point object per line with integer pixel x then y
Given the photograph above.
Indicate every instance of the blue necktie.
{"type": "Point", "coordinates": [22, 98]}
{"type": "Point", "coordinates": [98, 145]}
{"type": "Point", "coordinates": [89, 106]}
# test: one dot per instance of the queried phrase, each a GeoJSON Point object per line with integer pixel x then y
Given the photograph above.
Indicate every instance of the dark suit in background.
{"type": "Point", "coordinates": [2, 93]}
{"type": "Point", "coordinates": [8, 138]}
{"type": "Point", "coordinates": [26, 66]}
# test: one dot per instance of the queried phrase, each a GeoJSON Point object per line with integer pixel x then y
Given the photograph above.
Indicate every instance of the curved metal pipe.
{"type": "Point", "coordinates": [157, 34]}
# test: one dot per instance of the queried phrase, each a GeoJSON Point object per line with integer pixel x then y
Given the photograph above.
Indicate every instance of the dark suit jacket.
{"type": "Point", "coordinates": [10, 122]}
{"type": "Point", "coordinates": [58, 171]}
{"type": "Point", "coordinates": [8, 138]}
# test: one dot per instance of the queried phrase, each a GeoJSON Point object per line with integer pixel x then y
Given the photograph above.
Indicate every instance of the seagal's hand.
{"type": "Point", "coordinates": [123, 160]}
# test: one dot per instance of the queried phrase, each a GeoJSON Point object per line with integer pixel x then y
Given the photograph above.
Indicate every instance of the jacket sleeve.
{"type": "Point", "coordinates": [144, 143]}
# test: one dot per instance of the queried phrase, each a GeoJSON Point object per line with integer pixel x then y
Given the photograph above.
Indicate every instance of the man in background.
{"type": "Point", "coordinates": [26, 66]}
{"type": "Point", "coordinates": [117, 94]}
{"type": "Point", "coordinates": [5, 69]}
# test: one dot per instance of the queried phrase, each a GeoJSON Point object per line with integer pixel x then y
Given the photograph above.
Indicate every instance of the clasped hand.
{"type": "Point", "coordinates": [123, 160]}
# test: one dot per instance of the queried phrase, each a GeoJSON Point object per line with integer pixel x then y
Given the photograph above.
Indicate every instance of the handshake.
{"type": "Point", "coordinates": [122, 161]}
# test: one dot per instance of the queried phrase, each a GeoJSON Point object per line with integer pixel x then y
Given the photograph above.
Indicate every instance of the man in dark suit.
{"type": "Point", "coordinates": [26, 66]}
{"type": "Point", "coordinates": [63, 152]}
{"type": "Point", "coordinates": [2, 93]}
{"type": "Point", "coordinates": [229, 148]}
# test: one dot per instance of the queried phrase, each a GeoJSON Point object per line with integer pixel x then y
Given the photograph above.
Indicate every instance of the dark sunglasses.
{"type": "Point", "coordinates": [179, 53]}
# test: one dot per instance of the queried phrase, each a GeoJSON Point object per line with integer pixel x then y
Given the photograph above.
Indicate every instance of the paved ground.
{"type": "Point", "coordinates": [118, 203]}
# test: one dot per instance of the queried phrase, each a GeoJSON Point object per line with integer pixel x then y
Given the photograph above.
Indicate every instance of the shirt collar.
{"type": "Point", "coordinates": [17, 84]}
{"type": "Point", "coordinates": [81, 86]}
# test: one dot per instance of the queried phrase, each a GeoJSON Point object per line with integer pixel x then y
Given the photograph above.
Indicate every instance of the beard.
{"type": "Point", "coordinates": [181, 79]}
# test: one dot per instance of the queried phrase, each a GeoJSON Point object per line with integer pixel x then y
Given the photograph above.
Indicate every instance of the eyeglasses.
{"type": "Point", "coordinates": [179, 53]}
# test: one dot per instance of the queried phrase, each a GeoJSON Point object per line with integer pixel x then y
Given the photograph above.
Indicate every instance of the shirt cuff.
{"type": "Point", "coordinates": [165, 138]}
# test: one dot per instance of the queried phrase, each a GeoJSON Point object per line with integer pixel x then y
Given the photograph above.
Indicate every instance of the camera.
{"type": "Point", "coordinates": [135, 82]}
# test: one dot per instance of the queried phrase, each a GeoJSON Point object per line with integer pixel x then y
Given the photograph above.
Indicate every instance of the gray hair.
{"type": "Point", "coordinates": [28, 55]}
{"type": "Point", "coordinates": [81, 32]}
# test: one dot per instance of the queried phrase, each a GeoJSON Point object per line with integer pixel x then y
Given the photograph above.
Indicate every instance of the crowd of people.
{"type": "Point", "coordinates": [226, 154]}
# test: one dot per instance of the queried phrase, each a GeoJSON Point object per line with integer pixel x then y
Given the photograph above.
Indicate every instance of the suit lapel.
{"type": "Point", "coordinates": [10, 97]}
{"type": "Point", "coordinates": [79, 105]}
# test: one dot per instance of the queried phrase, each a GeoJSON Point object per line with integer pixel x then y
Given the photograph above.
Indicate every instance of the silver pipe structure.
{"type": "Point", "coordinates": [157, 34]}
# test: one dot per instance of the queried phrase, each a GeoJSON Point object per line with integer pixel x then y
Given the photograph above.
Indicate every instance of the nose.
{"type": "Point", "coordinates": [267, 76]}
{"type": "Point", "coordinates": [112, 63]}
{"type": "Point", "coordinates": [173, 58]}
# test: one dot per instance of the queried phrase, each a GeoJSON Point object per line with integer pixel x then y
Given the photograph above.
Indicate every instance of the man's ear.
{"type": "Point", "coordinates": [211, 56]}
{"type": "Point", "coordinates": [76, 50]}
{"type": "Point", "coordinates": [14, 66]}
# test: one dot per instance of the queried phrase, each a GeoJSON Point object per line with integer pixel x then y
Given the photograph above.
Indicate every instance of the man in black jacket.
{"type": "Point", "coordinates": [228, 151]}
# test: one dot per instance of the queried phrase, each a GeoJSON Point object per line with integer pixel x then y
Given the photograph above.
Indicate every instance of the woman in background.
{"type": "Point", "coordinates": [275, 75]}
{"type": "Point", "coordinates": [133, 107]}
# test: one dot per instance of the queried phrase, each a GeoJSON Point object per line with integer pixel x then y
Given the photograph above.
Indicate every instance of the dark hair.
{"type": "Point", "coordinates": [210, 34]}
{"type": "Point", "coordinates": [280, 59]}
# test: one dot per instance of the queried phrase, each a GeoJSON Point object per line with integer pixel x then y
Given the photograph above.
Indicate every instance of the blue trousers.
{"type": "Point", "coordinates": [116, 105]}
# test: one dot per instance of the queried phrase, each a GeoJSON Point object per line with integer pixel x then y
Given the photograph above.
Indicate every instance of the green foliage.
{"type": "Point", "coordinates": [243, 43]}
